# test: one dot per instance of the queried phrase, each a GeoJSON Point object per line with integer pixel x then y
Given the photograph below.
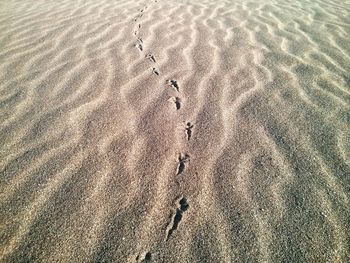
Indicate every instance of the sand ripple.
{"type": "Point", "coordinates": [174, 131]}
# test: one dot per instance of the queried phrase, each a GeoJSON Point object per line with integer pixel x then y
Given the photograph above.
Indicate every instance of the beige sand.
{"type": "Point", "coordinates": [175, 131]}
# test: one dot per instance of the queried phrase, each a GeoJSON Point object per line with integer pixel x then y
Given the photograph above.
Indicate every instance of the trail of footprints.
{"type": "Point", "coordinates": [183, 160]}
{"type": "Point", "coordinates": [139, 41]}
{"type": "Point", "coordinates": [181, 204]}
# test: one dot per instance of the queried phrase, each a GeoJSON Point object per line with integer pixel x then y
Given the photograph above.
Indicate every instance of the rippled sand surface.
{"type": "Point", "coordinates": [175, 131]}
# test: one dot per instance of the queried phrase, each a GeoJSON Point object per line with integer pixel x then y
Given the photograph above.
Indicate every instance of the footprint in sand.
{"type": "Point", "coordinates": [188, 130]}
{"type": "Point", "coordinates": [173, 83]}
{"type": "Point", "coordinates": [155, 71]}
{"type": "Point", "coordinates": [173, 225]}
{"type": "Point", "coordinates": [144, 257]}
{"type": "Point", "coordinates": [139, 44]}
{"type": "Point", "coordinates": [183, 159]}
{"type": "Point", "coordinates": [177, 102]}
{"type": "Point", "coordinates": [151, 57]}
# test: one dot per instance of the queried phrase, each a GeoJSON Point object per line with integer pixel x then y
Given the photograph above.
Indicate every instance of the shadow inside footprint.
{"type": "Point", "coordinates": [182, 163]}
{"type": "Point", "coordinates": [189, 127]}
{"type": "Point", "coordinates": [174, 84]}
{"type": "Point", "coordinates": [155, 71]}
{"type": "Point", "coordinates": [144, 258]}
{"type": "Point", "coordinates": [177, 217]}
{"type": "Point", "coordinates": [177, 103]}
{"type": "Point", "coordinates": [151, 57]}
{"type": "Point", "coordinates": [139, 43]}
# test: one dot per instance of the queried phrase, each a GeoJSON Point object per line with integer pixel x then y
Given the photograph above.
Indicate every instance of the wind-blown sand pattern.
{"type": "Point", "coordinates": [175, 131]}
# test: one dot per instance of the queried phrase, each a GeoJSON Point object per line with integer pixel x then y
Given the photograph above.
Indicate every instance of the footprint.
{"type": "Point", "coordinates": [189, 127]}
{"type": "Point", "coordinates": [151, 57]}
{"type": "Point", "coordinates": [155, 71]}
{"type": "Point", "coordinates": [139, 46]}
{"type": "Point", "coordinates": [183, 204]}
{"type": "Point", "coordinates": [173, 225]}
{"type": "Point", "coordinates": [174, 84]}
{"type": "Point", "coordinates": [139, 25]}
{"type": "Point", "coordinates": [144, 257]}
{"type": "Point", "coordinates": [139, 43]}
{"type": "Point", "coordinates": [182, 163]}
{"type": "Point", "coordinates": [177, 102]}
{"type": "Point", "coordinates": [137, 17]}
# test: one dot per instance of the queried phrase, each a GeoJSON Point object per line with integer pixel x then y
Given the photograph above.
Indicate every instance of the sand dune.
{"type": "Point", "coordinates": [175, 131]}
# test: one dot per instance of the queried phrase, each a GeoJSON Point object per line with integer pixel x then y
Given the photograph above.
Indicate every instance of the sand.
{"type": "Point", "coordinates": [175, 131]}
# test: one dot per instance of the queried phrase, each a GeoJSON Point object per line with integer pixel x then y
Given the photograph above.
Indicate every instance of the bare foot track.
{"type": "Point", "coordinates": [155, 71]}
{"type": "Point", "coordinates": [110, 110]}
{"type": "Point", "coordinates": [183, 159]}
{"type": "Point", "coordinates": [173, 83]}
{"type": "Point", "coordinates": [188, 130]}
{"type": "Point", "coordinates": [182, 206]}
{"type": "Point", "coordinates": [151, 57]}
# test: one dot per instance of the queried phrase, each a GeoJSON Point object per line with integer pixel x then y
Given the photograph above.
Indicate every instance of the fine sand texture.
{"type": "Point", "coordinates": [175, 131]}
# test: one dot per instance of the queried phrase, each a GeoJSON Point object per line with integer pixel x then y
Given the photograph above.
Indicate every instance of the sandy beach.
{"type": "Point", "coordinates": [175, 131]}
